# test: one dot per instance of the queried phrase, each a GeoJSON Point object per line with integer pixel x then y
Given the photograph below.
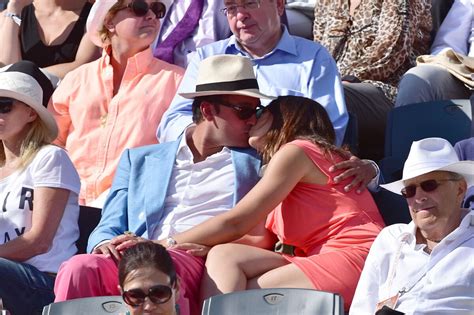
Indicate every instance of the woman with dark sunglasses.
{"type": "Point", "coordinates": [117, 101]}
{"type": "Point", "coordinates": [324, 232]}
{"type": "Point", "coordinates": [147, 279]}
{"type": "Point", "coordinates": [39, 190]}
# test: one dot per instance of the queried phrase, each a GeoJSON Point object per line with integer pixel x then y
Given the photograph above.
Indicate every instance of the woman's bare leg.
{"type": "Point", "coordinates": [288, 276]}
{"type": "Point", "coordinates": [230, 265]}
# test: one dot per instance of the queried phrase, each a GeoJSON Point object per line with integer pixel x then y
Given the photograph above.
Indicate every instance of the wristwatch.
{"type": "Point", "coordinates": [14, 17]}
{"type": "Point", "coordinates": [171, 242]}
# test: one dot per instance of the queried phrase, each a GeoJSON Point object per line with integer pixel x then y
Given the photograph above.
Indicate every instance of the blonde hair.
{"type": "Point", "coordinates": [35, 139]}
{"type": "Point", "coordinates": [104, 33]}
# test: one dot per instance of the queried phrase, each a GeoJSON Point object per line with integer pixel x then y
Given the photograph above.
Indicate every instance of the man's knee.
{"type": "Point", "coordinates": [84, 263]}
{"type": "Point", "coordinates": [86, 275]}
{"type": "Point", "coordinates": [423, 83]}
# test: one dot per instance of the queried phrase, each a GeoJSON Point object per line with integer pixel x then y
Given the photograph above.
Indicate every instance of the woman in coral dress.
{"type": "Point", "coordinates": [324, 231]}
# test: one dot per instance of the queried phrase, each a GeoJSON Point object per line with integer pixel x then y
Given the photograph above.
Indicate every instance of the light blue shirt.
{"type": "Point", "coordinates": [457, 30]}
{"type": "Point", "coordinates": [296, 66]}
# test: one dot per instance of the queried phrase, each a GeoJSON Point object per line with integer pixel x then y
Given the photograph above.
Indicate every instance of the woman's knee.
{"type": "Point", "coordinates": [228, 253]}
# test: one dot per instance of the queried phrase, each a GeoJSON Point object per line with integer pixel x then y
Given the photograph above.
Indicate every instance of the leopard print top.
{"type": "Point", "coordinates": [379, 42]}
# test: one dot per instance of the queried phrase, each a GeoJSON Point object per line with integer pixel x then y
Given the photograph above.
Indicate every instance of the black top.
{"type": "Point", "coordinates": [33, 49]}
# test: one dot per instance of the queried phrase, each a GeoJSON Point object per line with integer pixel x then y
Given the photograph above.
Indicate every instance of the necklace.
{"type": "Point", "coordinates": [434, 241]}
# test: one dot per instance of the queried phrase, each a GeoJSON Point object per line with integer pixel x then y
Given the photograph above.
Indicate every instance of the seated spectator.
{"type": "Point", "coordinates": [284, 65]}
{"type": "Point", "coordinates": [204, 24]}
{"type": "Point", "coordinates": [32, 172]}
{"type": "Point", "coordinates": [48, 33]}
{"type": "Point", "coordinates": [424, 267]}
{"type": "Point", "coordinates": [115, 102]}
{"type": "Point", "coordinates": [203, 173]}
{"type": "Point", "coordinates": [324, 251]}
{"type": "Point", "coordinates": [164, 189]}
{"type": "Point", "coordinates": [465, 151]}
{"type": "Point", "coordinates": [147, 280]}
{"type": "Point", "coordinates": [439, 10]}
{"type": "Point", "coordinates": [374, 43]}
{"type": "Point", "coordinates": [430, 80]}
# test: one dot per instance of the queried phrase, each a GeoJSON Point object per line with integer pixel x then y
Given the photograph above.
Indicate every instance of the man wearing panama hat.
{"type": "Point", "coordinates": [426, 266]}
{"type": "Point", "coordinates": [164, 189]}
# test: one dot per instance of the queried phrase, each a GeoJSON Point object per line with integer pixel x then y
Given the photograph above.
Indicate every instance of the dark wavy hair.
{"type": "Point", "coordinates": [146, 254]}
{"type": "Point", "coordinates": [296, 117]}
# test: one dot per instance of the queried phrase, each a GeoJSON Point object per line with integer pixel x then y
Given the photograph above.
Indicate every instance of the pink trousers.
{"type": "Point", "coordinates": [96, 275]}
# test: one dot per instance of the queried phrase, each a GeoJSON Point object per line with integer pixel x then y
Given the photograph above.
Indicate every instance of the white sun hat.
{"type": "Point", "coordinates": [96, 18]}
{"type": "Point", "coordinates": [429, 155]}
{"type": "Point", "coordinates": [25, 82]}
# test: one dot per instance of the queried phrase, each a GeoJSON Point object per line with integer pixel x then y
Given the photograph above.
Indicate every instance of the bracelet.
{"type": "Point", "coordinates": [170, 242]}
{"type": "Point", "coordinates": [14, 17]}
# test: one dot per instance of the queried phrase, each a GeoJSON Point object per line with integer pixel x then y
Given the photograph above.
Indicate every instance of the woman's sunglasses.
{"type": "Point", "coordinates": [158, 294]}
{"type": "Point", "coordinates": [6, 105]}
{"type": "Point", "coordinates": [245, 112]}
{"type": "Point", "coordinates": [427, 186]}
{"type": "Point", "coordinates": [140, 8]}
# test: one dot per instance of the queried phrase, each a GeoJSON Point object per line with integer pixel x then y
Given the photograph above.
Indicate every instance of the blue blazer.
{"type": "Point", "coordinates": [136, 199]}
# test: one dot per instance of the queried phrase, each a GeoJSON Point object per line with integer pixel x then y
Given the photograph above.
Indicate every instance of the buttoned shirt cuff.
{"type": "Point", "coordinates": [373, 185]}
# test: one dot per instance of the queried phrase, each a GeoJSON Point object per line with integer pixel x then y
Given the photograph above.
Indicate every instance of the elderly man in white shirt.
{"type": "Point", "coordinates": [427, 82]}
{"type": "Point", "coordinates": [426, 266]}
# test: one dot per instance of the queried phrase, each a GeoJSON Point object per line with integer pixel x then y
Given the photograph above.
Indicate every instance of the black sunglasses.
{"type": "Point", "coordinates": [245, 112]}
{"type": "Point", "coordinates": [140, 8]}
{"type": "Point", "coordinates": [427, 186]}
{"type": "Point", "coordinates": [6, 105]}
{"type": "Point", "coordinates": [158, 294]}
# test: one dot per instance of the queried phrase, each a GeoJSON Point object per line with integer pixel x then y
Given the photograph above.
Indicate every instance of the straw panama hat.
{"type": "Point", "coordinates": [429, 155]}
{"type": "Point", "coordinates": [96, 18]}
{"type": "Point", "coordinates": [25, 82]}
{"type": "Point", "coordinates": [226, 75]}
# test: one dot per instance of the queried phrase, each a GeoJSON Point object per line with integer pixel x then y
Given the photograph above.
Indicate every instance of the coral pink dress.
{"type": "Point", "coordinates": [331, 230]}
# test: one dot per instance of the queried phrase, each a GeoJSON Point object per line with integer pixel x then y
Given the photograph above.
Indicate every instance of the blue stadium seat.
{"type": "Point", "coordinates": [449, 119]}
{"type": "Point", "coordinates": [89, 217]}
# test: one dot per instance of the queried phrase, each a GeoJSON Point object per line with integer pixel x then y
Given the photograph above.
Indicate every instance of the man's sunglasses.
{"type": "Point", "coordinates": [245, 112]}
{"type": "Point", "coordinates": [158, 294]}
{"type": "Point", "coordinates": [141, 7]}
{"type": "Point", "coordinates": [6, 105]}
{"type": "Point", "coordinates": [427, 186]}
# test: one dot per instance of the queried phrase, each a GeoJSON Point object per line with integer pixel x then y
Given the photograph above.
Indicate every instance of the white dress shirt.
{"type": "Point", "coordinates": [437, 284]}
{"type": "Point", "coordinates": [456, 31]}
{"type": "Point", "coordinates": [197, 191]}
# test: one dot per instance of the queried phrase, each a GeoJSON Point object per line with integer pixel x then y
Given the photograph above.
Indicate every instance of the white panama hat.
{"type": "Point", "coordinates": [429, 155]}
{"type": "Point", "coordinates": [25, 82]}
{"type": "Point", "coordinates": [96, 18]}
{"type": "Point", "coordinates": [226, 75]}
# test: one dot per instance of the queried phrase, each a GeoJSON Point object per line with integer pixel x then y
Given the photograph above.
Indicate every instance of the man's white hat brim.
{"type": "Point", "coordinates": [463, 168]}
